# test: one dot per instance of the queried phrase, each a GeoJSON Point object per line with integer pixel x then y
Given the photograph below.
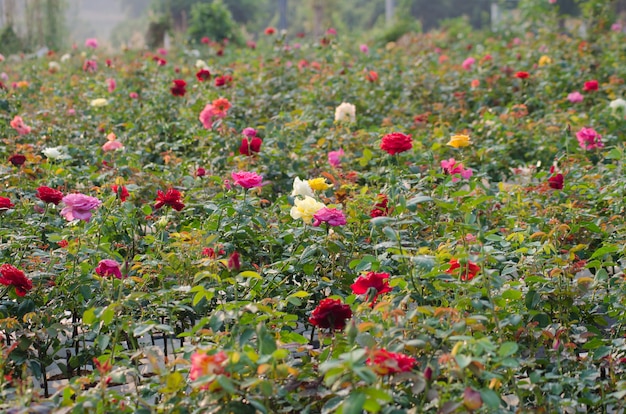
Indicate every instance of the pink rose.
{"type": "Point", "coordinates": [468, 63]}
{"type": "Point", "coordinates": [575, 97]}
{"type": "Point", "coordinates": [334, 157]}
{"type": "Point", "coordinates": [108, 267]}
{"type": "Point", "coordinates": [589, 139]}
{"type": "Point", "coordinates": [332, 216]}
{"type": "Point", "coordinates": [247, 179]}
{"type": "Point", "coordinates": [78, 206]}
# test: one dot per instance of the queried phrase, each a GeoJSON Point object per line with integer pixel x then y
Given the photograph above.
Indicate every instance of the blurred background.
{"type": "Point", "coordinates": [29, 25]}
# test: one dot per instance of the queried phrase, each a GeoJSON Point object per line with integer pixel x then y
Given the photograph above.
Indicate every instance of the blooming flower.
{"type": "Point", "coordinates": [371, 280]}
{"type": "Point", "coordinates": [618, 107]}
{"type": "Point", "coordinates": [250, 146]}
{"type": "Point", "coordinates": [111, 84]}
{"type": "Point", "coordinates": [331, 216]}
{"type": "Point", "coordinates": [18, 124]}
{"type": "Point", "coordinates": [223, 80]}
{"type": "Point", "coordinates": [170, 198]}
{"type": "Point", "coordinates": [49, 195]}
{"type": "Point", "coordinates": [12, 276]}
{"type": "Point", "coordinates": [556, 181]}
{"type": "Point", "coordinates": [468, 63]}
{"type": "Point", "coordinates": [216, 109]}
{"type": "Point", "coordinates": [381, 208]}
{"type": "Point", "coordinates": [204, 365]}
{"type": "Point", "coordinates": [203, 75]}
{"type": "Point", "coordinates": [330, 313]}
{"type": "Point", "coordinates": [319, 184]}
{"type": "Point", "coordinates": [469, 270]}
{"type": "Point", "coordinates": [458, 141]}
{"type": "Point", "coordinates": [589, 139]}
{"type": "Point", "coordinates": [90, 66]}
{"type": "Point", "coordinates": [522, 75]}
{"type": "Point", "coordinates": [53, 153]}
{"type": "Point", "coordinates": [371, 76]}
{"type": "Point", "coordinates": [270, 31]}
{"type": "Point", "coordinates": [91, 42]}
{"type": "Point", "coordinates": [120, 191]}
{"type": "Point", "coordinates": [345, 112]}
{"type": "Point", "coordinates": [133, 95]}
{"type": "Point", "coordinates": [96, 103]}
{"type": "Point", "coordinates": [233, 262]}
{"type": "Point", "coordinates": [575, 97]}
{"type": "Point", "coordinates": [301, 188]}
{"type": "Point", "coordinates": [78, 206]}
{"type": "Point", "coordinates": [200, 172]}
{"type": "Point", "coordinates": [364, 48]}
{"type": "Point", "coordinates": [590, 86]}
{"type": "Point", "coordinates": [5, 203]}
{"type": "Point", "coordinates": [545, 60]}
{"type": "Point", "coordinates": [179, 87]}
{"type": "Point", "coordinates": [305, 208]}
{"type": "Point", "coordinates": [334, 157]}
{"type": "Point", "coordinates": [451, 167]}
{"type": "Point", "coordinates": [247, 179]}
{"type": "Point", "coordinates": [249, 132]}
{"type": "Point", "coordinates": [112, 144]}
{"type": "Point", "coordinates": [396, 143]}
{"type": "Point", "coordinates": [384, 362]}
{"type": "Point", "coordinates": [108, 267]}
{"type": "Point", "coordinates": [17, 159]}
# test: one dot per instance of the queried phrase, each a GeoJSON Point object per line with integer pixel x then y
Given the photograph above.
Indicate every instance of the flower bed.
{"type": "Point", "coordinates": [437, 226]}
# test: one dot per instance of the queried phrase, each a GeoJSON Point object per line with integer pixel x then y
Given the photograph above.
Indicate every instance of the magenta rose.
{"type": "Point", "coordinates": [332, 216]}
{"type": "Point", "coordinates": [247, 179]}
{"type": "Point", "coordinates": [108, 267]}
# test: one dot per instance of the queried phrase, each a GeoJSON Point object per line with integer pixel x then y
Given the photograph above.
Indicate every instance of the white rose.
{"type": "Point", "coordinates": [99, 102]}
{"type": "Point", "coordinates": [301, 188]}
{"type": "Point", "coordinates": [618, 105]}
{"type": "Point", "coordinates": [53, 153]}
{"type": "Point", "coordinates": [345, 112]}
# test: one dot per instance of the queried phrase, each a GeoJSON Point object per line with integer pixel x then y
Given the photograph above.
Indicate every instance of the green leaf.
{"type": "Point", "coordinates": [354, 403]}
{"type": "Point", "coordinates": [490, 398]}
{"type": "Point", "coordinates": [508, 349]}
{"type": "Point", "coordinates": [89, 316]}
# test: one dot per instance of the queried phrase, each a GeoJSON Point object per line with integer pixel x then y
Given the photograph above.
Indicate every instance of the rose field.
{"type": "Point", "coordinates": [318, 224]}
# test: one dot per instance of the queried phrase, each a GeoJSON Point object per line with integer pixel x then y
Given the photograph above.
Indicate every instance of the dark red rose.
{"type": "Point", "coordinates": [200, 172]}
{"type": "Point", "coordinates": [248, 147]}
{"type": "Point", "coordinates": [179, 87]}
{"type": "Point", "coordinates": [170, 198]}
{"type": "Point", "coordinates": [159, 60]}
{"type": "Point", "coordinates": [223, 80]}
{"type": "Point", "coordinates": [330, 313]}
{"type": "Point", "coordinates": [12, 276]}
{"type": "Point", "coordinates": [556, 181]}
{"type": "Point", "coordinates": [5, 203]}
{"type": "Point", "coordinates": [396, 143]}
{"type": "Point", "coordinates": [203, 75]}
{"type": "Point", "coordinates": [468, 270]}
{"type": "Point", "coordinates": [233, 262]}
{"type": "Point", "coordinates": [381, 208]}
{"type": "Point", "coordinates": [591, 85]}
{"type": "Point", "coordinates": [17, 159]}
{"type": "Point", "coordinates": [49, 195]}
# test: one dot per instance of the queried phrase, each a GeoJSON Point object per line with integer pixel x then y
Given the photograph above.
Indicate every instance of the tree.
{"type": "Point", "coordinates": [213, 20]}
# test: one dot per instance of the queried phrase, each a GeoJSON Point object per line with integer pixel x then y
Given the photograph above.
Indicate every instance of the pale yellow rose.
{"type": "Point", "coordinates": [305, 208]}
{"type": "Point", "coordinates": [96, 103]}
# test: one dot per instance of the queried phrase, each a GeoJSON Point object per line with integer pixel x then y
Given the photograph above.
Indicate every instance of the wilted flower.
{"type": "Point", "coordinates": [345, 112]}
{"type": "Point", "coordinates": [305, 208]}
{"type": "Point", "coordinates": [471, 398]}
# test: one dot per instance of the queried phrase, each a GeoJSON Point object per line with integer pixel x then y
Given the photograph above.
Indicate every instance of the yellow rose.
{"type": "Point", "coordinates": [305, 208]}
{"type": "Point", "coordinates": [545, 60]}
{"type": "Point", "coordinates": [99, 102]}
{"type": "Point", "coordinates": [319, 184]}
{"type": "Point", "coordinates": [458, 141]}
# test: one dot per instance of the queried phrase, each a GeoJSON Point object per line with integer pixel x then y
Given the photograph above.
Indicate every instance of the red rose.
{"type": "Point", "coordinates": [224, 80]}
{"type": "Point", "coordinates": [556, 181]}
{"type": "Point", "coordinates": [205, 40]}
{"type": "Point", "coordinates": [17, 159]}
{"type": "Point", "coordinates": [371, 76]}
{"type": "Point", "coordinates": [396, 142]}
{"type": "Point", "coordinates": [330, 313]}
{"type": "Point", "coordinates": [233, 262]}
{"type": "Point", "coordinates": [522, 75]}
{"type": "Point", "coordinates": [371, 280]}
{"type": "Point", "coordinates": [200, 172]}
{"type": "Point", "coordinates": [121, 192]}
{"type": "Point", "coordinates": [381, 207]}
{"type": "Point", "coordinates": [49, 195]}
{"type": "Point", "coordinates": [203, 75]}
{"type": "Point", "coordinates": [591, 85]}
{"type": "Point", "coordinates": [5, 203]}
{"type": "Point", "coordinates": [270, 31]}
{"type": "Point", "coordinates": [12, 276]}
{"type": "Point", "coordinates": [250, 146]}
{"type": "Point", "coordinates": [179, 87]}
{"type": "Point", "coordinates": [170, 198]}
{"type": "Point", "coordinates": [384, 362]}
{"type": "Point", "coordinates": [468, 270]}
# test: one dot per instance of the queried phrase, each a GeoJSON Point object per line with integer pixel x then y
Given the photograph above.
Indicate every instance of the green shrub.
{"type": "Point", "coordinates": [212, 20]}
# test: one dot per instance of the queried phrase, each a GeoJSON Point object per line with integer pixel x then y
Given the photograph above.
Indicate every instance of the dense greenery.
{"type": "Point", "coordinates": [469, 257]}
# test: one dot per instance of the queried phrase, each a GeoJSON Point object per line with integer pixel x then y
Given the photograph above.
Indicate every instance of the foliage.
{"type": "Point", "coordinates": [212, 20]}
{"type": "Point", "coordinates": [503, 246]}
{"type": "Point", "coordinates": [9, 41]}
